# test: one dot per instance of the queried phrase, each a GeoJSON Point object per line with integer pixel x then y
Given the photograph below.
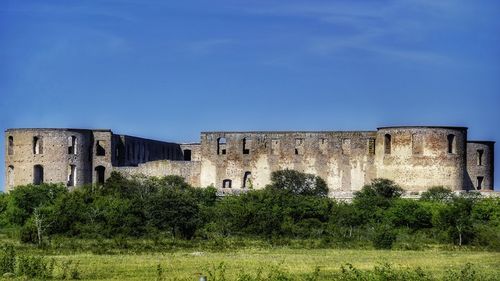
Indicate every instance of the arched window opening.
{"type": "Point", "coordinates": [387, 144]}
{"type": "Point", "coordinates": [221, 146]}
{"type": "Point", "coordinates": [99, 148]}
{"type": "Point", "coordinates": [299, 146]}
{"type": "Point", "coordinates": [480, 154]}
{"type": "Point", "coordinates": [11, 145]}
{"type": "Point", "coordinates": [480, 183]}
{"type": "Point", "coordinates": [37, 174]}
{"type": "Point", "coordinates": [100, 173]}
{"type": "Point", "coordinates": [247, 180]}
{"type": "Point", "coordinates": [72, 142]}
{"type": "Point", "coordinates": [227, 183]}
{"type": "Point", "coordinates": [72, 175]}
{"type": "Point", "coordinates": [246, 143]}
{"type": "Point", "coordinates": [452, 146]}
{"type": "Point", "coordinates": [10, 176]}
{"type": "Point", "coordinates": [37, 145]}
{"type": "Point", "coordinates": [187, 154]}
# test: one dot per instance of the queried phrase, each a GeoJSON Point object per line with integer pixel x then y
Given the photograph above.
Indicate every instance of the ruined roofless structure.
{"type": "Point", "coordinates": [415, 157]}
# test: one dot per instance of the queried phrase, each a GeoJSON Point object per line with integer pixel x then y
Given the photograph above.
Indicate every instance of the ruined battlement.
{"type": "Point", "coordinates": [415, 157]}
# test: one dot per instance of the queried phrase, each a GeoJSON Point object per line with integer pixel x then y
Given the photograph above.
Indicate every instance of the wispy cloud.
{"type": "Point", "coordinates": [392, 29]}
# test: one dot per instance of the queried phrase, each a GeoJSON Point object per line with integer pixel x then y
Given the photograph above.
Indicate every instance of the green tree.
{"type": "Point", "coordinates": [409, 213]}
{"type": "Point", "coordinates": [298, 183]}
{"type": "Point", "coordinates": [23, 200]}
{"type": "Point", "coordinates": [437, 193]}
{"type": "Point", "coordinates": [174, 210]}
{"type": "Point", "coordinates": [456, 219]}
{"type": "Point", "coordinates": [375, 198]}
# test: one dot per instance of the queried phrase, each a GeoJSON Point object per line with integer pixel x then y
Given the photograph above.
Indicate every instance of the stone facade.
{"type": "Point", "coordinates": [415, 157]}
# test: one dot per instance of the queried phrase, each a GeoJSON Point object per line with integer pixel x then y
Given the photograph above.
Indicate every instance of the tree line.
{"type": "Point", "coordinates": [294, 206]}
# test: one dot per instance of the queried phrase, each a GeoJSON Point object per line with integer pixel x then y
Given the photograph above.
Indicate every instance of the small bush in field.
{"type": "Point", "coordinates": [159, 273]}
{"type": "Point", "coordinates": [70, 270]}
{"type": "Point", "coordinates": [7, 259]}
{"type": "Point", "coordinates": [383, 238]}
{"type": "Point", "coordinates": [35, 267]}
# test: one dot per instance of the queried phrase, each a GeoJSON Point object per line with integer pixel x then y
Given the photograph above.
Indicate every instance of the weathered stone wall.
{"type": "Point", "coordinates": [52, 155]}
{"type": "Point", "coordinates": [480, 165]}
{"type": "Point", "coordinates": [195, 149]}
{"type": "Point", "coordinates": [420, 157]}
{"type": "Point", "coordinates": [95, 155]}
{"type": "Point", "coordinates": [343, 159]}
{"type": "Point", "coordinates": [131, 151]}
{"type": "Point", "coordinates": [190, 170]}
{"type": "Point", "coordinates": [414, 157]}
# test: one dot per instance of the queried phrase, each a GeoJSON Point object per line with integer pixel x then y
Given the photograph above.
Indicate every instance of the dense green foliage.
{"type": "Point", "coordinates": [293, 206]}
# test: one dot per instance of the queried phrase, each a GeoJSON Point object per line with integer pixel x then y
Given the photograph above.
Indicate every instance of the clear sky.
{"type": "Point", "coordinates": [170, 69]}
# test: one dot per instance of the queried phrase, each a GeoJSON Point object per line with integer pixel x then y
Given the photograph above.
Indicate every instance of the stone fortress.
{"type": "Point", "coordinates": [415, 157]}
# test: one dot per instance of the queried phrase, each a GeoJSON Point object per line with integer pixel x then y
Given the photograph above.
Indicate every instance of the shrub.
{"type": "Point", "coordinates": [69, 270]}
{"type": "Point", "coordinates": [7, 259]}
{"type": "Point", "coordinates": [437, 193]}
{"type": "Point", "coordinates": [35, 267]}
{"type": "Point", "coordinates": [298, 183]}
{"type": "Point", "coordinates": [383, 237]}
{"type": "Point", "coordinates": [411, 214]}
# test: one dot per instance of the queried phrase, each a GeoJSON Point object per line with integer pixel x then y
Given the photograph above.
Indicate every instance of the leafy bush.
{"type": "Point", "coordinates": [294, 206]}
{"type": "Point", "coordinates": [384, 237]}
{"type": "Point", "coordinates": [7, 259]}
{"type": "Point", "coordinates": [437, 194]}
{"type": "Point", "coordinates": [410, 214]}
{"type": "Point", "coordinates": [298, 183]}
{"type": "Point", "coordinates": [35, 267]}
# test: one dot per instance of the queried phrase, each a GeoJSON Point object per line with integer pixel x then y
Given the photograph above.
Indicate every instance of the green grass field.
{"type": "Point", "coordinates": [187, 265]}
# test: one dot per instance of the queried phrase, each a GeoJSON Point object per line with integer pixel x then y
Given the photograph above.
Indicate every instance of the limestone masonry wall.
{"type": "Point", "coordinates": [415, 157]}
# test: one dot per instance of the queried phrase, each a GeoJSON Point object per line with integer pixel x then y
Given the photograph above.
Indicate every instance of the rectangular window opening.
{"type": "Point", "coordinates": [480, 183]}
{"type": "Point", "coordinates": [72, 175]}
{"type": "Point", "coordinates": [99, 148]}
{"type": "Point", "coordinates": [480, 154]}
{"type": "Point", "coordinates": [187, 154]}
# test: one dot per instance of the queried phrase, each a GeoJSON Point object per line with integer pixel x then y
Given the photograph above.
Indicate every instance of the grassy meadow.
{"type": "Point", "coordinates": [269, 262]}
{"type": "Point", "coordinates": [186, 265]}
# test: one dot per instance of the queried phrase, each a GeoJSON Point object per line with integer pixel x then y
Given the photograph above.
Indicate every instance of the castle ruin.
{"type": "Point", "coordinates": [415, 157]}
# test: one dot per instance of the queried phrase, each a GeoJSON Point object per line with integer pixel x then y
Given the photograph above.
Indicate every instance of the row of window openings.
{"type": "Point", "coordinates": [38, 175]}
{"type": "Point", "coordinates": [72, 146]}
{"type": "Point", "coordinates": [227, 183]}
{"type": "Point", "coordinates": [298, 149]}
{"type": "Point", "coordinates": [247, 181]}
{"type": "Point", "coordinates": [418, 144]}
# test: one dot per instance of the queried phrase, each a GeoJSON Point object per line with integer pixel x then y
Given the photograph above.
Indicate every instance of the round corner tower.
{"type": "Point", "coordinates": [418, 157]}
{"type": "Point", "coordinates": [48, 155]}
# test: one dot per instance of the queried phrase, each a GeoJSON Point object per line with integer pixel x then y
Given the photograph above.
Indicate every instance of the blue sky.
{"type": "Point", "coordinates": [170, 69]}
